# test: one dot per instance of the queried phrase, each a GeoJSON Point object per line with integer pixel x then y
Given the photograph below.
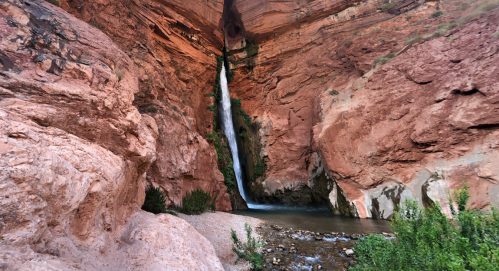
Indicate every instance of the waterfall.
{"type": "Point", "coordinates": [228, 128]}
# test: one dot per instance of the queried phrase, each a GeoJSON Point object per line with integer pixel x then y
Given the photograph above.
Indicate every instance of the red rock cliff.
{"type": "Point", "coordinates": [413, 128]}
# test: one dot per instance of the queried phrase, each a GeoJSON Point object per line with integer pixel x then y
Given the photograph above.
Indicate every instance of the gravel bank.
{"type": "Point", "coordinates": [216, 228]}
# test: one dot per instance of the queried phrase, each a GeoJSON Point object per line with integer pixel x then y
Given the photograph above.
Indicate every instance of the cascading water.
{"type": "Point", "coordinates": [228, 128]}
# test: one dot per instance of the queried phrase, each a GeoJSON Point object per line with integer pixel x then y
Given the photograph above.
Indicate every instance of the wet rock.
{"type": "Point", "coordinates": [318, 238]}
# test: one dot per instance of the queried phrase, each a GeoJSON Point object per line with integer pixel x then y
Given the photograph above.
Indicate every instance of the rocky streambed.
{"type": "Point", "coordinates": [290, 249]}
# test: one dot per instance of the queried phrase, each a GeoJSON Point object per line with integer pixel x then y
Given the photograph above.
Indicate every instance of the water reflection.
{"type": "Point", "coordinates": [315, 219]}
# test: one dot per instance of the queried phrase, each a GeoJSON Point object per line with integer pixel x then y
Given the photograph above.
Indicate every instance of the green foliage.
{"type": "Point", "coordinates": [212, 108]}
{"type": "Point", "coordinates": [383, 59]}
{"type": "Point", "coordinates": [237, 103]}
{"type": "Point", "coordinates": [334, 92]}
{"type": "Point", "coordinates": [175, 108]}
{"type": "Point", "coordinates": [426, 239]}
{"type": "Point", "coordinates": [387, 6]}
{"type": "Point", "coordinates": [416, 39]}
{"type": "Point", "coordinates": [408, 17]}
{"type": "Point", "coordinates": [252, 49]}
{"type": "Point", "coordinates": [348, 43]}
{"type": "Point", "coordinates": [248, 251]}
{"type": "Point", "coordinates": [436, 14]}
{"type": "Point", "coordinates": [184, 113]}
{"type": "Point", "coordinates": [155, 201]}
{"type": "Point", "coordinates": [152, 109]}
{"type": "Point", "coordinates": [356, 33]}
{"type": "Point", "coordinates": [230, 76]}
{"type": "Point", "coordinates": [197, 202]}
{"type": "Point", "coordinates": [53, 2]}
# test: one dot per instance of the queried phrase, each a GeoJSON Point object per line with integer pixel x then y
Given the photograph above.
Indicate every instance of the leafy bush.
{"type": "Point", "coordinates": [248, 251]}
{"type": "Point", "coordinates": [356, 33]}
{"type": "Point", "coordinates": [408, 17]}
{"type": "Point", "coordinates": [334, 92]}
{"type": "Point", "coordinates": [155, 201]}
{"type": "Point", "coordinates": [197, 202]}
{"type": "Point", "coordinates": [53, 2]}
{"type": "Point", "coordinates": [383, 59]}
{"type": "Point", "coordinates": [175, 108]}
{"type": "Point", "coordinates": [252, 49]}
{"type": "Point", "coordinates": [184, 113]}
{"type": "Point", "coordinates": [436, 14]}
{"type": "Point", "coordinates": [152, 109]}
{"type": "Point", "coordinates": [348, 43]}
{"type": "Point", "coordinates": [428, 240]}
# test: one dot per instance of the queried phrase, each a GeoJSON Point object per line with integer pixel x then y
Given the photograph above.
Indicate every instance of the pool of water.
{"type": "Point", "coordinates": [314, 219]}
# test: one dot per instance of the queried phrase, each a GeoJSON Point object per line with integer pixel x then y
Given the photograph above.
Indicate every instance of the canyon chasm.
{"type": "Point", "coordinates": [350, 105]}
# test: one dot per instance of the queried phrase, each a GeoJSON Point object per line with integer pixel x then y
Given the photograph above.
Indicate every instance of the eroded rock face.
{"type": "Point", "coordinates": [414, 128]}
{"type": "Point", "coordinates": [74, 152]}
{"type": "Point", "coordinates": [174, 45]}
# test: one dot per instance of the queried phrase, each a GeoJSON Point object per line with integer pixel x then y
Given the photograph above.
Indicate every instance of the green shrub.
{"type": "Point", "coordinates": [408, 17]}
{"type": "Point", "coordinates": [356, 33]}
{"type": "Point", "coordinates": [175, 108]}
{"type": "Point", "coordinates": [495, 35]}
{"type": "Point", "coordinates": [197, 202]}
{"type": "Point", "coordinates": [152, 109]}
{"type": "Point", "coordinates": [252, 49]}
{"type": "Point", "coordinates": [248, 251]}
{"type": "Point", "coordinates": [53, 2]}
{"type": "Point", "coordinates": [436, 14]}
{"type": "Point", "coordinates": [426, 239]}
{"type": "Point", "coordinates": [184, 113]}
{"type": "Point", "coordinates": [348, 43]}
{"type": "Point", "coordinates": [387, 6]}
{"type": "Point", "coordinates": [155, 201]}
{"type": "Point", "coordinates": [334, 92]}
{"type": "Point", "coordinates": [383, 59]}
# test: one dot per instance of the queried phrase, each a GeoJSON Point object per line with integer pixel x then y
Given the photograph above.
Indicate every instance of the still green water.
{"type": "Point", "coordinates": [316, 220]}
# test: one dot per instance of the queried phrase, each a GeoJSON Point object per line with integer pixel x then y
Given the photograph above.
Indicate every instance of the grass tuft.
{"type": "Point", "coordinates": [383, 59]}
{"type": "Point", "coordinates": [119, 73]}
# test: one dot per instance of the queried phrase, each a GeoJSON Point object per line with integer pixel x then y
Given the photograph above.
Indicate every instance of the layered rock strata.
{"type": "Point", "coordinates": [74, 152]}
{"type": "Point", "coordinates": [174, 45]}
{"type": "Point", "coordinates": [416, 127]}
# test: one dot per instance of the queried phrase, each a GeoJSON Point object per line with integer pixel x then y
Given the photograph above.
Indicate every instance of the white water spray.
{"type": "Point", "coordinates": [228, 128]}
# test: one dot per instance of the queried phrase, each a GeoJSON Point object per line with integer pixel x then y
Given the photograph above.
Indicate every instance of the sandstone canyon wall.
{"type": "Point", "coordinates": [174, 45]}
{"type": "Point", "coordinates": [371, 135]}
{"type": "Point", "coordinates": [94, 109]}
{"type": "Point", "coordinates": [75, 152]}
